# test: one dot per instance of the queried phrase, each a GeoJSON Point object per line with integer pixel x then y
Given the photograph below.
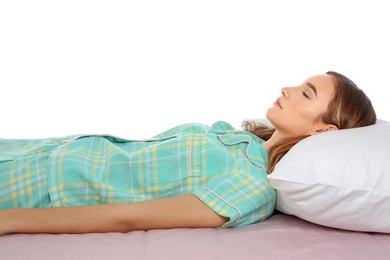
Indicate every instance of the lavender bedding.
{"type": "Point", "coordinates": [280, 237]}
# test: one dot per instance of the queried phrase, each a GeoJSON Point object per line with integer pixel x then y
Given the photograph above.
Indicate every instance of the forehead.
{"type": "Point", "coordinates": [324, 83]}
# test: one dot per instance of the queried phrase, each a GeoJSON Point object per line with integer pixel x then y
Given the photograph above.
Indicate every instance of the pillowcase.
{"type": "Point", "coordinates": [339, 179]}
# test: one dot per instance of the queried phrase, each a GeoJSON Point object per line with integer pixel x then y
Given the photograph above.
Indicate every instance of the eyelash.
{"type": "Point", "coordinates": [305, 95]}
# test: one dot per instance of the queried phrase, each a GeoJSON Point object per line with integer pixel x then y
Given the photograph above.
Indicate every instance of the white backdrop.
{"type": "Point", "coordinates": [136, 68]}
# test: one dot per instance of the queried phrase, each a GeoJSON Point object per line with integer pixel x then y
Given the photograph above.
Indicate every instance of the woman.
{"type": "Point", "coordinates": [190, 176]}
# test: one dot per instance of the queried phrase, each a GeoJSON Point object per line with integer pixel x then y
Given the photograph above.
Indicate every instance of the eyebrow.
{"type": "Point", "coordinates": [312, 87]}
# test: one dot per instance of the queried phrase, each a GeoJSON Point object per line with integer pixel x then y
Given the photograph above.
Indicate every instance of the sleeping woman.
{"type": "Point", "coordinates": [191, 176]}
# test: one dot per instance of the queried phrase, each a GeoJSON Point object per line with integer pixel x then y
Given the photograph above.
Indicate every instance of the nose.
{"type": "Point", "coordinates": [284, 92]}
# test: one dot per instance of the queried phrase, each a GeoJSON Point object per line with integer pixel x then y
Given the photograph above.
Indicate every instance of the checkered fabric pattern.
{"type": "Point", "coordinates": [222, 166]}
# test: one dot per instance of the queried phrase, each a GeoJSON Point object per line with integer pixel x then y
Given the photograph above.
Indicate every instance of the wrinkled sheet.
{"type": "Point", "coordinates": [279, 237]}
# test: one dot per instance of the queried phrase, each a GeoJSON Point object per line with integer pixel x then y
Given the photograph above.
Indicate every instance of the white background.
{"type": "Point", "coordinates": [136, 68]}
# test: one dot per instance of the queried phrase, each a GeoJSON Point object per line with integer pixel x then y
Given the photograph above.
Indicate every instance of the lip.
{"type": "Point", "coordinates": [277, 103]}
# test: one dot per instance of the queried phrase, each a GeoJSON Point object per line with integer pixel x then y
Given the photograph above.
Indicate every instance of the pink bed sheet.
{"type": "Point", "coordinates": [279, 237]}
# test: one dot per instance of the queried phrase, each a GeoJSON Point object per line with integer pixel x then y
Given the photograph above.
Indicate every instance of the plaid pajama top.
{"type": "Point", "coordinates": [222, 166]}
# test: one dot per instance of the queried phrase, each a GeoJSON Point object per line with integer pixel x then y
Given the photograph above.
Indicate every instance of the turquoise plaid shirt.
{"type": "Point", "coordinates": [222, 166]}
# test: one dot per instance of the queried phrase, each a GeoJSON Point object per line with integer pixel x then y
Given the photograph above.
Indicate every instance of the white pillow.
{"type": "Point", "coordinates": [338, 179]}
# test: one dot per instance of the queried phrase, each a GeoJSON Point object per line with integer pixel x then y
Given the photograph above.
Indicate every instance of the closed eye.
{"type": "Point", "coordinates": [305, 95]}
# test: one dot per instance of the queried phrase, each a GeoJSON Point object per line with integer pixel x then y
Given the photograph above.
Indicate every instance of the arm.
{"type": "Point", "coordinates": [185, 211]}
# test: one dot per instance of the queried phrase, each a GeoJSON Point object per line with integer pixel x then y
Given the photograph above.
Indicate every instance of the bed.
{"type": "Point", "coordinates": [280, 237]}
{"type": "Point", "coordinates": [333, 202]}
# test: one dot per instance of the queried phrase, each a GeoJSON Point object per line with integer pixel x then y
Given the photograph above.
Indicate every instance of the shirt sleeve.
{"type": "Point", "coordinates": [241, 197]}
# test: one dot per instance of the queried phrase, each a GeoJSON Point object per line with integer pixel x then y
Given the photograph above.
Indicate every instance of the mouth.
{"type": "Point", "coordinates": [277, 103]}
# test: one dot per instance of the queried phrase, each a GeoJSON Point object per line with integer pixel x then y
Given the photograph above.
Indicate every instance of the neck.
{"type": "Point", "coordinates": [271, 142]}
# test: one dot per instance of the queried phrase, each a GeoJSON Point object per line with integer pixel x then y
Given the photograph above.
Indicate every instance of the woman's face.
{"type": "Point", "coordinates": [296, 111]}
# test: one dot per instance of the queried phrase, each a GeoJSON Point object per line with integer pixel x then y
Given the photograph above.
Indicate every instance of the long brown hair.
{"type": "Point", "coordinates": [349, 108]}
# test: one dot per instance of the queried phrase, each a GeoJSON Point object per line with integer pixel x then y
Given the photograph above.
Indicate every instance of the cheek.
{"type": "Point", "coordinates": [308, 113]}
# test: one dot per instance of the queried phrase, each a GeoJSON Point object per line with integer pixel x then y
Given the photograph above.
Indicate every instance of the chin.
{"type": "Point", "coordinates": [268, 114]}
{"type": "Point", "coordinates": [270, 122]}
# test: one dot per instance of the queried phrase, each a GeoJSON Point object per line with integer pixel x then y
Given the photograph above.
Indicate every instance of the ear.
{"type": "Point", "coordinates": [325, 128]}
